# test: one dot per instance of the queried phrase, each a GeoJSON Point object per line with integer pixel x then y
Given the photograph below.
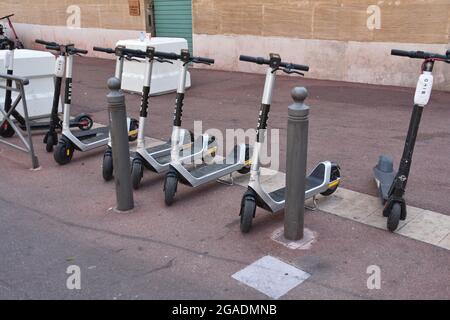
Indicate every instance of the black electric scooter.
{"type": "Point", "coordinates": [392, 185]}
{"type": "Point", "coordinates": [82, 121]}
{"type": "Point", "coordinates": [82, 140]}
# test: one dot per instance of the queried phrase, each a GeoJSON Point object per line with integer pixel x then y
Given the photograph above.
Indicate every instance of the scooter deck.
{"type": "Point", "coordinates": [93, 135]}
{"type": "Point", "coordinates": [206, 169]}
{"type": "Point", "coordinates": [311, 183]}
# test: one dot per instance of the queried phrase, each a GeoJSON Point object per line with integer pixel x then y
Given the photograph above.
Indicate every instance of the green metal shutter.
{"type": "Point", "coordinates": [173, 18]}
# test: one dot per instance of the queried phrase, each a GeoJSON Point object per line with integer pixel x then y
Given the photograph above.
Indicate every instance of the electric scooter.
{"type": "Point", "coordinates": [82, 140]}
{"type": "Point", "coordinates": [158, 158]}
{"type": "Point", "coordinates": [392, 185]}
{"type": "Point", "coordinates": [181, 169]}
{"type": "Point", "coordinates": [123, 53]}
{"type": "Point", "coordinates": [324, 179]}
{"type": "Point", "coordinates": [83, 121]}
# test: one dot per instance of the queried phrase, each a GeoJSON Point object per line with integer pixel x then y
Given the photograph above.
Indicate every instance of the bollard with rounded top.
{"type": "Point", "coordinates": [120, 147]}
{"type": "Point", "coordinates": [296, 158]}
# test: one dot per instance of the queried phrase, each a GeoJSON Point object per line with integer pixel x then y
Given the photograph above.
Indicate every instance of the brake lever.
{"type": "Point", "coordinates": [289, 71]}
{"type": "Point", "coordinates": [163, 60]}
{"type": "Point", "coordinates": [201, 62]}
{"type": "Point", "coordinates": [132, 59]}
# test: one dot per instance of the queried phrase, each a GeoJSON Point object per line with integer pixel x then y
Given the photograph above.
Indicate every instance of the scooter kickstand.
{"type": "Point", "coordinates": [231, 183]}
{"type": "Point", "coordinates": [315, 205]}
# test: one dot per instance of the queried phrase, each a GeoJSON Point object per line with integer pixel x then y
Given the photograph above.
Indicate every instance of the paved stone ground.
{"type": "Point", "coordinates": [57, 217]}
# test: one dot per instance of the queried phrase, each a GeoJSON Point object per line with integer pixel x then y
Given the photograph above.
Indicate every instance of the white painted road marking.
{"type": "Point", "coordinates": [271, 276]}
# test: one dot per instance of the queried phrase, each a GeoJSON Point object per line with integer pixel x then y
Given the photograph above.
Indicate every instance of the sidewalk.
{"type": "Point", "coordinates": [59, 216]}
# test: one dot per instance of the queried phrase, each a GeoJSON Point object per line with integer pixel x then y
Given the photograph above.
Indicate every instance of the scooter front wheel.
{"type": "Point", "coordinates": [137, 171]}
{"type": "Point", "coordinates": [248, 209]}
{"type": "Point", "coordinates": [50, 142]}
{"type": "Point", "coordinates": [64, 152]}
{"type": "Point", "coordinates": [170, 189]}
{"type": "Point", "coordinates": [107, 166]}
{"type": "Point", "coordinates": [394, 217]}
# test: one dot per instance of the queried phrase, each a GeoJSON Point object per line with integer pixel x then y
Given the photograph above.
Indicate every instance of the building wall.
{"type": "Point", "coordinates": [102, 22]}
{"type": "Point", "coordinates": [332, 36]}
{"type": "Point", "coordinates": [108, 14]}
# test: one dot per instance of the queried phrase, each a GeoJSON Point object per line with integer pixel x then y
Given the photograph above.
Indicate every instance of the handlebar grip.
{"type": "Point", "coordinates": [166, 55]}
{"type": "Point", "coordinates": [80, 51]}
{"type": "Point", "coordinates": [46, 43]}
{"type": "Point", "coordinates": [203, 60]}
{"type": "Point", "coordinates": [257, 60]}
{"type": "Point", "coordinates": [105, 50]}
{"type": "Point", "coordinates": [135, 52]}
{"type": "Point", "coordinates": [52, 47]}
{"type": "Point", "coordinates": [401, 53]}
{"type": "Point", "coordinates": [294, 66]}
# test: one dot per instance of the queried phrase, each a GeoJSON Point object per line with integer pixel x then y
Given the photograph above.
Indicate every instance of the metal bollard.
{"type": "Point", "coordinates": [296, 158]}
{"type": "Point", "coordinates": [120, 147]}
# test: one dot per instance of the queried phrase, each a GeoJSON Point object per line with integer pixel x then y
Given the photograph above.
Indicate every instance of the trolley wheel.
{"type": "Point", "coordinates": [85, 122]}
{"type": "Point", "coordinates": [248, 209]}
{"type": "Point", "coordinates": [170, 188]}
{"type": "Point", "coordinates": [64, 152]}
{"type": "Point", "coordinates": [107, 166]}
{"type": "Point", "coordinates": [6, 130]}
{"type": "Point", "coordinates": [137, 172]}
{"type": "Point", "coordinates": [335, 174]}
{"type": "Point", "coordinates": [51, 140]}
{"type": "Point", "coordinates": [133, 130]}
{"type": "Point", "coordinates": [394, 217]}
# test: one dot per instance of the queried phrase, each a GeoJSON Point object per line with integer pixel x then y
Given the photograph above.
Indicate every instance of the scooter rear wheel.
{"type": "Point", "coordinates": [394, 217]}
{"type": "Point", "coordinates": [335, 174]}
{"type": "Point", "coordinates": [85, 123]}
{"type": "Point", "coordinates": [248, 209]}
{"type": "Point", "coordinates": [133, 130]}
{"type": "Point", "coordinates": [6, 131]}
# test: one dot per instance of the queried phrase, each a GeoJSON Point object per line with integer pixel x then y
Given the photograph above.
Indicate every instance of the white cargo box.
{"type": "Point", "coordinates": [165, 75]}
{"type": "Point", "coordinates": [38, 67]}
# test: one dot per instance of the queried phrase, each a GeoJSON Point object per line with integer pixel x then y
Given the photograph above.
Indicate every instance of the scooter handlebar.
{"type": "Point", "coordinates": [420, 54]}
{"type": "Point", "coordinates": [261, 60]}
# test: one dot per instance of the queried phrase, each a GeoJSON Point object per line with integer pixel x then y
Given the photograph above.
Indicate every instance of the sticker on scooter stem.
{"type": "Point", "coordinates": [423, 89]}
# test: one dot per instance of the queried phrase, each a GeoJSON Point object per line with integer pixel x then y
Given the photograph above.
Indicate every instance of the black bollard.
{"type": "Point", "coordinates": [120, 147]}
{"type": "Point", "coordinates": [296, 158]}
